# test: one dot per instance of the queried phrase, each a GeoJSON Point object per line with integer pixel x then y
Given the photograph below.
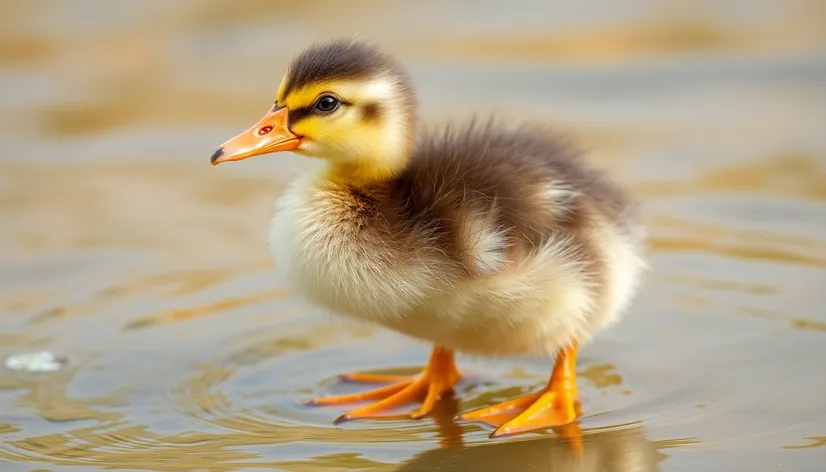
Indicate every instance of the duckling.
{"type": "Point", "coordinates": [606, 449]}
{"type": "Point", "coordinates": [486, 239]}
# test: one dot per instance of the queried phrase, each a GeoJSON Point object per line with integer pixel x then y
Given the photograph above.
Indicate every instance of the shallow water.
{"type": "Point", "coordinates": [123, 250]}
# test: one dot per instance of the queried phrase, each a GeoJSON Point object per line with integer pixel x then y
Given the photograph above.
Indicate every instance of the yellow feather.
{"type": "Point", "coordinates": [351, 91]}
{"type": "Point", "coordinates": [357, 150]}
{"type": "Point", "coordinates": [279, 97]}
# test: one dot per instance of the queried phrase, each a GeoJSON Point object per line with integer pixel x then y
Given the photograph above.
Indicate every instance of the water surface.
{"type": "Point", "coordinates": [123, 250]}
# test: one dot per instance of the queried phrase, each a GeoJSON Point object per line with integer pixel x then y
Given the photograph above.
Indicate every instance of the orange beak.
{"type": "Point", "coordinates": [270, 134]}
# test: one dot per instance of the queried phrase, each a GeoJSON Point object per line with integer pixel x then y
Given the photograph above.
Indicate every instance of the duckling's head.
{"type": "Point", "coordinates": [345, 101]}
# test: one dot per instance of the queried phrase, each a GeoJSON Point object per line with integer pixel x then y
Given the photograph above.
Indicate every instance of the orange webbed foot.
{"type": "Point", "coordinates": [551, 409]}
{"type": "Point", "coordinates": [556, 405]}
{"type": "Point", "coordinates": [438, 378]}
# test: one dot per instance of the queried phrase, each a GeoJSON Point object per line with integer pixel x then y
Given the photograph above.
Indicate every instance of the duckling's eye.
{"type": "Point", "coordinates": [326, 104]}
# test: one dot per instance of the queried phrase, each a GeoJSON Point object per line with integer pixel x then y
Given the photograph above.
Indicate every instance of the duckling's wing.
{"type": "Point", "coordinates": [487, 187]}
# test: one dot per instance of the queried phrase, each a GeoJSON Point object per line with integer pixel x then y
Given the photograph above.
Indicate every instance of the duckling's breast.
{"type": "Point", "coordinates": [335, 248]}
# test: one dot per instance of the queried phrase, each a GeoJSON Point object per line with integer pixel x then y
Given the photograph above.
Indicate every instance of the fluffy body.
{"type": "Point", "coordinates": [487, 241]}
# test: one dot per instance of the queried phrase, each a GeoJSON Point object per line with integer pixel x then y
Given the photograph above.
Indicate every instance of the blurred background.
{"type": "Point", "coordinates": [125, 253]}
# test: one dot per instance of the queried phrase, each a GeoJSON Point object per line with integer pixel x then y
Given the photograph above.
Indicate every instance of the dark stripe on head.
{"type": "Point", "coordinates": [372, 112]}
{"type": "Point", "coordinates": [299, 114]}
{"type": "Point", "coordinates": [337, 60]}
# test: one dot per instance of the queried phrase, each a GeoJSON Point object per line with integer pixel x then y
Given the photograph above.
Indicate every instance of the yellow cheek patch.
{"type": "Point", "coordinates": [317, 129]}
{"type": "Point", "coordinates": [310, 126]}
{"type": "Point", "coordinates": [346, 137]}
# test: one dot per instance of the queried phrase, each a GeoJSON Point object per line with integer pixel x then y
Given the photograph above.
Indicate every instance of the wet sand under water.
{"type": "Point", "coordinates": [124, 251]}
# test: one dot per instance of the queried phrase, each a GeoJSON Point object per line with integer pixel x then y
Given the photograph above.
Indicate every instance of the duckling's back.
{"type": "Point", "coordinates": [526, 186]}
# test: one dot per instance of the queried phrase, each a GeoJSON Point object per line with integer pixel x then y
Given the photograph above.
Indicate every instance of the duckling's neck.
{"type": "Point", "coordinates": [367, 172]}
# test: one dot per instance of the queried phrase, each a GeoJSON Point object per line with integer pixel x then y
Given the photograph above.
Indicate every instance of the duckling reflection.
{"type": "Point", "coordinates": [444, 415]}
{"type": "Point", "coordinates": [615, 449]}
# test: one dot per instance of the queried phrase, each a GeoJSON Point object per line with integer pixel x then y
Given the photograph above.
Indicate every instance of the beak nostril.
{"type": "Point", "coordinates": [264, 130]}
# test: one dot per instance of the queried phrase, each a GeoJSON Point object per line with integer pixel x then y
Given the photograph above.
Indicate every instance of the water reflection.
{"type": "Point", "coordinates": [615, 449]}
{"type": "Point", "coordinates": [816, 441]}
{"type": "Point", "coordinates": [230, 430]}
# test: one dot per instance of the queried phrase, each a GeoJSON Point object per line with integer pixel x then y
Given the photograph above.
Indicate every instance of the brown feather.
{"type": "Point", "coordinates": [483, 168]}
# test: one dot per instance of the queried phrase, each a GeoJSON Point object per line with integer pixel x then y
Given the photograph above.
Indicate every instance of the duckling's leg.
{"type": "Point", "coordinates": [555, 405]}
{"type": "Point", "coordinates": [438, 377]}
